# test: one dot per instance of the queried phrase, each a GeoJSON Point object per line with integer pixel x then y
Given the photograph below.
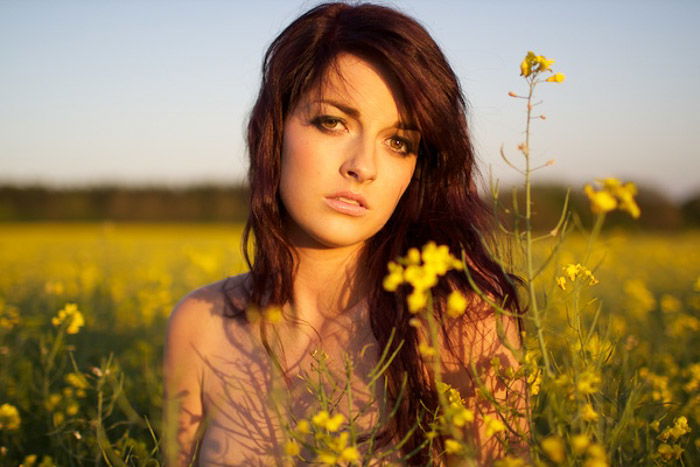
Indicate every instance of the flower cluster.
{"type": "Point", "coordinates": [672, 434]}
{"type": "Point", "coordinates": [572, 271]}
{"type": "Point", "coordinates": [329, 448]}
{"type": "Point", "coordinates": [613, 194]}
{"type": "Point", "coordinates": [588, 381]}
{"type": "Point", "coordinates": [455, 414]}
{"type": "Point", "coordinates": [9, 417]}
{"type": "Point", "coordinates": [9, 315]}
{"type": "Point", "coordinates": [535, 64]}
{"type": "Point", "coordinates": [422, 269]}
{"type": "Point", "coordinates": [70, 315]}
{"type": "Point", "coordinates": [680, 427]}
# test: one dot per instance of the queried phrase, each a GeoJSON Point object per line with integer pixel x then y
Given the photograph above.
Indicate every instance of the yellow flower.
{"type": "Point", "coordinates": [588, 382]}
{"type": "Point", "coordinates": [395, 276]}
{"type": "Point", "coordinates": [29, 460]}
{"type": "Point", "coordinates": [426, 350]}
{"type": "Point", "coordinates": [553, 447]}
{"type": "Point", "coordinates": [291, 448]}
{"type": "Point", "coordinates": [349, 454]}
{"type": "Point", "coordinates": [668, 452]}
{"type": "Point", "coordinates": [413, 256]}
{"type": "Point", "coordinates": [544, 63]}
{"type": "Point", "coordinates": [320, 419]}
{"type": "Point", "coordinates": [493, 425]}
{"type": "Point", "coordinates": [72, 408]}
{"type": "Point", "coordinates": [588, 413]}
{"type": "Point", "coordinates": [601, 201]}
{"type": "Point", "coordinates": [670, 304]}
{"type": "Point", "coordinates": [462, 416]}
{"type": "Point", "coordinates": [9, 417]}
{"type": "Point", "coordinates": [556, 78]}
{"type": "Point", "coordinates": [591, 278]}
{"type": "Point", "coordinates": [456, 304]}
{"type": "Point", "coordinates": [324, 420]}
{"type": "Point", "coordinates": [452, 446]}
{"type": "Point", "coordinates": [72, 316]}
{"type": "Point", "coordinates": [303, 427]}
{"type": "Point", "coordinates": [422, 270]}
{"type": "Point", "coordinates": [613, 194]}
{"type": "Point", "coordinates": [579, 443]}
{"type": "Point", "coordinates": [77, 380]}
{"type": "Point", "coordinates": [52, 401]}
{"type": "Point", "coordinates": [561, 282]}
{"type": "Point", "coordinates": [526, 64]}
{"type": "Point", "coordinates": [417, 300]}
{"type": "Point", "coordinates": [680, 427]}
{"type": "Point", "coordinates": [327, 458]}
{"type": "Point", "coordinates": [596, 456]}
{"type": "Point", "coordinates": [9, 315]}
{"type": "Point", "coordinates": [334, 423]}
{"type": "Point", "coordinates": [534, 64]}
{"type": "Point", "coordinates": [439, 258]}
{"type": "Point", "coordinates": [572, 271]}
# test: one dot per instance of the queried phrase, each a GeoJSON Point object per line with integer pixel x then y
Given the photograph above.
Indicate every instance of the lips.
{"type": "Point", "coordinates": [345, 202]}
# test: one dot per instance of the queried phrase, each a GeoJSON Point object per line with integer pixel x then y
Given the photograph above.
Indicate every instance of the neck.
{"type": "Point", "coordinates": [327, 284]}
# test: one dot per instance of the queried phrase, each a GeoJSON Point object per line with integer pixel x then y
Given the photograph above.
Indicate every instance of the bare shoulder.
{"type": "Point", "coordinates": [193, 334]}
{"type": "Point", "coordinates": [219, 298]}
{"type": "Point", "coordinates": [199, 315]}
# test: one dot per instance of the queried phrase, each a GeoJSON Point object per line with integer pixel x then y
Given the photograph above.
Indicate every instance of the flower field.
{"type": "Point", "coordinates": [83, 309]}
{"type": "Point", "coordinates": [611, 337]}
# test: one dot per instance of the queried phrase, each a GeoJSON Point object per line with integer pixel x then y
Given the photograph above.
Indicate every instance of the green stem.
{"type": "Point", "coordinates": [597, 227]}
{"type": "Point", "coordinates": [528, 235]}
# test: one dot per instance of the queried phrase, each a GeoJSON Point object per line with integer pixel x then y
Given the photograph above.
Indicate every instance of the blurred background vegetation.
{"type": "Point", "coordinates": [218, 203]}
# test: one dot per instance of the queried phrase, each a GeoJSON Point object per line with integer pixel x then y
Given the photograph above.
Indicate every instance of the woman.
{"type": "Point", "coordinates": [359, 151]}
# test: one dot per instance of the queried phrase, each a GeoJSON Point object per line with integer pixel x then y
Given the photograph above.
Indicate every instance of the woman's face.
{"type": "Point", "coordinates": [346, 159]}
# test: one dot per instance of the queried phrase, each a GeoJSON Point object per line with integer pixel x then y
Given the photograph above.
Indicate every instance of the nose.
{"type": "Point", "coordinates": [360, 162]}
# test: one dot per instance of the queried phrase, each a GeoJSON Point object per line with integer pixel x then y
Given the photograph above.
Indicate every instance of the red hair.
{"type": "Point", "coordinates": [441, 203]}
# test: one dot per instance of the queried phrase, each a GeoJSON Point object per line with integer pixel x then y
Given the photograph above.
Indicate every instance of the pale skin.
{"type": "Point", "coordinates": [344, 138]}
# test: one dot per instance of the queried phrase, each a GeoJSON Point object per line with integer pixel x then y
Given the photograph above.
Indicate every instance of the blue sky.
{"type": "Point", "coordinates": [158, 91]}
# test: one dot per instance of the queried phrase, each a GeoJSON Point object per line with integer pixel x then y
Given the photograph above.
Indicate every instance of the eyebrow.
{"type": "Point", "coordinates": [354, 113]}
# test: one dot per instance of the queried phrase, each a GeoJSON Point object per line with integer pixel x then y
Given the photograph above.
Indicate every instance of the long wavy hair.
{"type": "Point", "coordinates": [440, 204]}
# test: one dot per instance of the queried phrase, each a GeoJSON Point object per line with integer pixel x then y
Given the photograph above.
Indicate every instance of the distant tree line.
{"type": "Point", "coordinates": [658, 211]}
{"type": "Point", "coordinates": [214, 203]}
{"type": "Point", "coordinates": [206, 203]}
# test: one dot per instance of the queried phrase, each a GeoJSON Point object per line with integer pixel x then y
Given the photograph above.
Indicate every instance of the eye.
{"type": "Point", "coordinates": [327, 123]}
{"type": "Point", "coordinates": [400, 145]}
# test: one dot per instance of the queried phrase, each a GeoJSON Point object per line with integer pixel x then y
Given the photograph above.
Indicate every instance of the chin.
{"type": "Point", "coordinates": [335, 238]}
{"type": "Point", "coordinates": [339, 241]}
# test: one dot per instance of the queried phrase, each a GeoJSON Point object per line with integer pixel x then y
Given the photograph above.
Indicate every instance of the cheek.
{"type": "Point", "coordinates": [300, 156]}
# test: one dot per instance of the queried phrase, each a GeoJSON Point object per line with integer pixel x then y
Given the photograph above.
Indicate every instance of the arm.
{"type": "Point", "coordinates": [183, 371]}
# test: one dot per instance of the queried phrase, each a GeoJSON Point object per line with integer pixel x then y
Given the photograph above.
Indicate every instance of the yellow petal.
{"type": "Point", "coordinates": [556, 78]}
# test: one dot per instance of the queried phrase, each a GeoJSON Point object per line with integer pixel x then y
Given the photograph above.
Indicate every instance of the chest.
{"type": "Point", "coordinates": [253, 399]}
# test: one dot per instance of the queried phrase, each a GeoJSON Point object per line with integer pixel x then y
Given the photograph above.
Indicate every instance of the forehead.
{"type": "Point", "coordinates": [360, 84]}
